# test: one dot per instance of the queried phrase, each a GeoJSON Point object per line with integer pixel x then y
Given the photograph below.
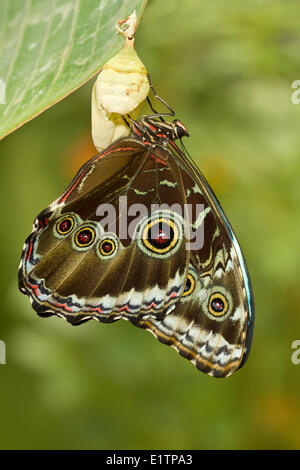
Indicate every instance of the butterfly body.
{"type": "Point", "coordinates": [156, 261]}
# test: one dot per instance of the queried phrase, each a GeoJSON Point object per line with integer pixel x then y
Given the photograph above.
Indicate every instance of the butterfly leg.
{"type": "Point", "coordinates": [136, 124]}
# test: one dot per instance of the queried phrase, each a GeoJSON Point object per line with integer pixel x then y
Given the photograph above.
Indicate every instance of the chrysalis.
{"type": "Point", "coordinates": [121, 87]}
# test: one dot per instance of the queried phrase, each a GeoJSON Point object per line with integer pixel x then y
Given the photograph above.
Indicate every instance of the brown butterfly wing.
{"type": "Point", "coordinates": [74, 267]}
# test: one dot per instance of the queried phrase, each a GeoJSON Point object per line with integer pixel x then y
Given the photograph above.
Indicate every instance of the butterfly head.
{"type": "Point", "coordinates": [154, 130]}
{"type": "Point", "coordinates": [179, 129]}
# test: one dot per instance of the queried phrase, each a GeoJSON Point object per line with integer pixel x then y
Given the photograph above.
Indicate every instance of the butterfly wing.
{"type": "Point", "coordinates": [75, 266]}
{"type": "Point", "coordinates": [212, 324]}
{"type": "Point", "coordinates": [195, 297]}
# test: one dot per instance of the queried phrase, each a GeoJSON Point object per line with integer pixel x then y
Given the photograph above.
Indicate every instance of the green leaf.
{"type": "Point", "coordinates": [49, 48]}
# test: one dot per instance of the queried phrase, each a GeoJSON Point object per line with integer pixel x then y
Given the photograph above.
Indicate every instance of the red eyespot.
{"type": "Point", "coordinates": [85, 237]}
{"type": "Point", "coordinates": [161, 237]}
{"type": "Point", "coordinates": [65, 226]}
{"type": "Point", "coordinates": [107, 247]}
{"type": "Point", "coordinates": [160, 234]}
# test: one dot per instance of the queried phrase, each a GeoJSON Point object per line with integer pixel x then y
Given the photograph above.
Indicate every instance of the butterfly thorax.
{"type": "Point", "coordinates": [153, 131]}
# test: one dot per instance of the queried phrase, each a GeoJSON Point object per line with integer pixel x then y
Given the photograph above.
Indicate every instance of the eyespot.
{"type": "Point", "coordinates": [64, 226]}
{"type": "Point", "coordinates": [84, 237]}
{"type": "Point", "coordinates": [189, 285]}
{"type": "Point", "coordinates": [107, 247]}
{"type": "Point", "coordinates": [219, 304]}
{"type": "Point", "coordinates": [161, 234]}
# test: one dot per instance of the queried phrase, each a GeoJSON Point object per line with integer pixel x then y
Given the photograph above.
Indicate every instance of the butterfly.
{"type": "Point", "coordinates": [125, 241]}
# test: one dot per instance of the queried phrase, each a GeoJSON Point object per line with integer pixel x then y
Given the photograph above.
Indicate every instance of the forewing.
{"type": "Point", "coordinates": [76, 264]}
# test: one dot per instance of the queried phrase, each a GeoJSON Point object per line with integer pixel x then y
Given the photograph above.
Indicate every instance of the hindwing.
{"type": "Point", "coordinates": [212, 325]}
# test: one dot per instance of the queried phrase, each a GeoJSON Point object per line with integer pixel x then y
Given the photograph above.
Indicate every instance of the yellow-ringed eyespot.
{"type": "Point", "coordinates": [84, 237]}
{"type": "Point", "coordinates": [107, 247]}
{"type": "Point", "coordinates": [189, 286]}
{"type": "Point", "coordinates": [219, 304]}
{"type": "Point", "coordinates": [161, 234]}
{"type": "Point", "coordinates": [64, 226]}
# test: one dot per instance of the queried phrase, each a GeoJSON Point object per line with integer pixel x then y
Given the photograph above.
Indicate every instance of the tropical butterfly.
{"type": "Point", "coordinates": [195, 297]}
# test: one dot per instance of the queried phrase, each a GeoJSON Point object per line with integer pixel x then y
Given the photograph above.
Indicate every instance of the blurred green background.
{"type": "Point", "coordinates": [227, 68]}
